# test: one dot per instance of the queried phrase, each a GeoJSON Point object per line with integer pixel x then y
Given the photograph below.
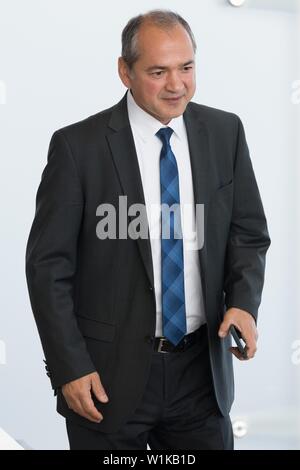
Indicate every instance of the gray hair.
{"type": "Point", "coordinates": [164, 19]}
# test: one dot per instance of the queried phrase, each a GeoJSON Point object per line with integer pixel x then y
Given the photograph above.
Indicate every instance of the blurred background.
{"type": "Point", "coordinates": [58, 64]}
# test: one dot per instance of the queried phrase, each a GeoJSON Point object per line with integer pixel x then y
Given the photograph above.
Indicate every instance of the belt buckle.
{"type": "Point", "coordinates": [161, 340]}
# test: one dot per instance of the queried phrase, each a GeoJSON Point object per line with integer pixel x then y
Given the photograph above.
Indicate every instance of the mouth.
{"type": "Point", "coordinates": [175, 99]}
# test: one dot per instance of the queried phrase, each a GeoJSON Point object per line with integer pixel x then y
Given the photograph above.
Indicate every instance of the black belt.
{"type": "Point", "coordinates": [163, 345]}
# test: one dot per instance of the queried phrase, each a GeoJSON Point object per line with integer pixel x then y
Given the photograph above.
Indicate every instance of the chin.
{"type": "Point", "coordinates": [179, 113]}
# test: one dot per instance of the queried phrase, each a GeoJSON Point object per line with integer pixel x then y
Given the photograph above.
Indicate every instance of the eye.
{"type": "Point", "coordinates": [187, 68]}
{"type": "Point", "coordinates": [158, 73]}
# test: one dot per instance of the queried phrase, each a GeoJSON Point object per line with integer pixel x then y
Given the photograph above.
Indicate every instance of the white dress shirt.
{"type": "Point", "coordinates": [148, 147]}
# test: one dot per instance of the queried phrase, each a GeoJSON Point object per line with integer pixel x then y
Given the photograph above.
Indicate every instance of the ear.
{"type": "Point", "coordinates": [124, 72]}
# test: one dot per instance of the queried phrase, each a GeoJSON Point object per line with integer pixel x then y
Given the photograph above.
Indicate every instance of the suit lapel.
{"type": "Point", "coordinates": [123, 150]}
{"type": "Point", "coordinates": [199, 155]}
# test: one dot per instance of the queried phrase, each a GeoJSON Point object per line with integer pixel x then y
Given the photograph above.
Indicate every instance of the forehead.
{"type": "Point", "coordinates": [156, 43]}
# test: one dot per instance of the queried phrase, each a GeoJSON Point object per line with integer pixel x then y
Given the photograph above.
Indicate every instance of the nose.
{"type": "Point", "coordinates": [174, 83]}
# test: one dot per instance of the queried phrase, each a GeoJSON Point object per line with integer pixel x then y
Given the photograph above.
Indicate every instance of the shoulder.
{"type": "Point", "coordinates": [214, 118]}
{"type": "Point", "coordinates": [87, 127]}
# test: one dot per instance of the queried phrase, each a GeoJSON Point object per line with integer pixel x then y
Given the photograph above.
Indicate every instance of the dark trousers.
{"type": "Point", "coordinates": [178, 409]}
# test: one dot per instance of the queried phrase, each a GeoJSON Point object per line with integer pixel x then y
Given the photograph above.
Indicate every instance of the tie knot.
{"type": "Point", "coordinates": [164, 134]}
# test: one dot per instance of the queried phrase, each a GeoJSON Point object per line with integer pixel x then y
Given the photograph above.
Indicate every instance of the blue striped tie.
{"type": "Point", "coordinates": [173, 302]}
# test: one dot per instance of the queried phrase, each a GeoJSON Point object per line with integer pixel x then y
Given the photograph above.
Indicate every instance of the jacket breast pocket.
{"type": "Point", "coordinates": [225, 188]}
{"type": "Point", "coordinates": [96, 329]}
{"type": "Point", "coordinates": [220, 205]}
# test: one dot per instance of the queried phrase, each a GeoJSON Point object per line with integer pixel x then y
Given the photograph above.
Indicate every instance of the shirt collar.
{"type": "Point", "coordinates": [147, 125]}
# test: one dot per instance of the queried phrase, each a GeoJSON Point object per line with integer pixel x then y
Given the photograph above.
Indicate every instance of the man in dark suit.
{"type": "Point", "coordinates": [135, 329]}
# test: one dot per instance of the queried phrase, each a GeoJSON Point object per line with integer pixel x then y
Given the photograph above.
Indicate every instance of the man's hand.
{"type": "Point", "coordinates": [245, 323]}
{"type": "Point", "coordinates": [78, 396]}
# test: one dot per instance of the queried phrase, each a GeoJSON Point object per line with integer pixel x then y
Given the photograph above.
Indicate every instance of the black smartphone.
{"type": "Point", "coordinates": [238, 340]}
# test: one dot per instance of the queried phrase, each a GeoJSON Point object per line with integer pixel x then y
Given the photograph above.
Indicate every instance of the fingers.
{"type": "Point", "coordinates": [90, 411]}
{"type": "Point", "coordinates": [98, 389]}
{"type": "Point", "coordinates": [85, 407]}
{"type": "Point", "coordinates": [77, 394]}
{"type": "Point", "coordinates": [251, 344]}
{"type": "Point", "coordinates": [245, 323]}
{"type": "Point", "coordinates": [224, 327]}
{"type": "Point", "coordinates": [250, 336]}
{"type": "Point", "coordinates": [250, 340]}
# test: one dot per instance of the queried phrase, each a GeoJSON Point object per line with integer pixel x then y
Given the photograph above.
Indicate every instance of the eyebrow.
{"type": "Point", "coordinates": [162, 67]}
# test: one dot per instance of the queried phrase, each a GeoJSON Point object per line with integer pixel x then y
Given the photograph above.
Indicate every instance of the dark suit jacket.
{"type": "Point", "coordinates": [93, 300]}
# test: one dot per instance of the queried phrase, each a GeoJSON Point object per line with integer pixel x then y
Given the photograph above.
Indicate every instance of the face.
{"type": "Point", "coordinates": [162, 80]}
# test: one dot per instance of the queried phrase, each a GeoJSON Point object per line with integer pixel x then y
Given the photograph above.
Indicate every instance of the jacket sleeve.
{"type": "Point", "coordinates": [248, 239]}
{"type": "Point", "coordinates": [51, 265]}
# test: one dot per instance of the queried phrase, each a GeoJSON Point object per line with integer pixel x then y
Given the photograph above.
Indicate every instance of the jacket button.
{"type": "Point", "coordinates": [150, 287]}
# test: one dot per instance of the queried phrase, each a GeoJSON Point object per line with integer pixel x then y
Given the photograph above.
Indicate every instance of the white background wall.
{"type": "Point", "coordinates": [58, 64]}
